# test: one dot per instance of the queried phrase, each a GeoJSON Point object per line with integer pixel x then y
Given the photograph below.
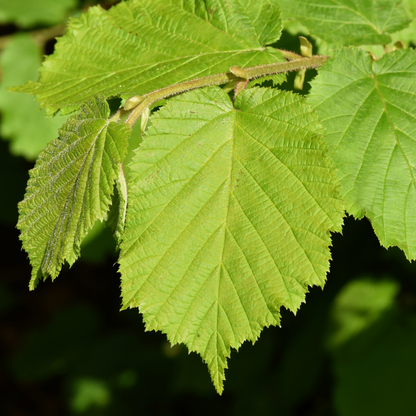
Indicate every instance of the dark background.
{"type": "Point", "coordinates": [66, 349]}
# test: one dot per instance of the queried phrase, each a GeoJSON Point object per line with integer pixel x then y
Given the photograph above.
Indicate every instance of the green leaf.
{"type": "Point", "coordinates": [70, 188]}
{"type": "Point", "coordinates": [117, 214]}
{"type": "Point", "coordinates": [19, 62]}
{"type": "Point", "coordinates": [349, 22]}
{"type": "Point", "coordinates": [140, 46]}
{"type": "Point", "coordinates": [408, 35]}
{"type": "Point", "coordinates": [358, 306]}
{"type": "Point", "coordinates": [368, 110]}
{"type": "Point", "coordinates": [26, 13]}
{"type": "Point", "coordinates": [229, 218]}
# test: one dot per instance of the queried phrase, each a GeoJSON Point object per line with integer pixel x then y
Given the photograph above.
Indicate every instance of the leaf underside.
{"type": "Point", "coordinates": [349, 22]}
{"type": "Point", "coordinates": [368, 110]}
{"type": "Point", "coordinates": [158, 44]}
{"type": "Point", "coordinates": [70, 188]}
{"type": "Point", "coordinates": [229, 218]}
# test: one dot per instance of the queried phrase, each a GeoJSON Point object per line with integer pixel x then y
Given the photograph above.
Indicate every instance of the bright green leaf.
{"type": "Point", "coordinates": [229, 218]}
{"type": "Point", "coordinates": [70, 188]}
{"type": "Point", "coordinates": [368, 110]}
{"type": "Point", "coordinates": [19, 62]}
{"type": "Point", "coordinates": [349, 22]}
{"type": "Point", "coordinates": [139, 46]}
{"type": "Point", "coordinates": [26, 13]}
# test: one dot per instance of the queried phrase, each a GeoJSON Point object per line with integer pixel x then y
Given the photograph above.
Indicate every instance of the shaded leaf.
{"type": "Point", "coordinates": [367, 108]}
{"type": "Point", "coordinates": [228, 219]}
{"type": "Point", "coordinates": [117, 214]}
{"type": "Point", "coordinates": [349, 22]}
{"type": "Point", "coordinates": [378, 369]}
{"type": "Point", "coordinates": [70, 188]}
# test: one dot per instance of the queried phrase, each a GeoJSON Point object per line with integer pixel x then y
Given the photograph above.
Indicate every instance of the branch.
{"type": "Point", "coordinates": [139, 103]}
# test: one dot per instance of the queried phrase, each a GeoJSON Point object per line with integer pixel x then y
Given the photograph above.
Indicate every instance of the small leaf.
{"type": "Point", "coordinates": [85, 61]}
{"type": "Point", "coordinates": [229, 218]}
{"type": "Point", "coordinates": [70, 188]}
{"type": "Point", "coordinates": [358, 306]}
{"type": "Point", "coordinates": [368, 110]}
{"type": "Point", "coordinates": [346, 22]}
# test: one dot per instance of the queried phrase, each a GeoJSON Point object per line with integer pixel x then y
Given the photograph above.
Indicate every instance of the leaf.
{"type": "Point", "coordinates": [408, 35]}
{"type": "Point", "coordinates": [19, 62]}
{"type": "Point", "coordinates": [228, 219]}
{"type": "Point", "coordinates": [140, 46]}
{"type": "Point", "coordinates": [358, 306]}
{"type": "Point", "coordinates": [26, 13]}
{"type": "Point", "coordinates": [117, 214]}
{"type": "Point", "coordinates": [367, 108]}
{"type": "Point", "coordinates": [70, 188]}
{"type": "Point", "coordinates": [349, 22]}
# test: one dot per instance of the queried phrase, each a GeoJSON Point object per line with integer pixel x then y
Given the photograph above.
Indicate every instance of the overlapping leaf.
{"type": "Point", "coordinates": [229, 218]}
{"type": "Point", "coordinates": [139, 46]}
{"type": "Point", "coordinates": [368, 110]}
{"type": "Point", "coordinates": [407, 35]}
{"type": "Point", "coordinates": [349, 22]}
{"type": "Point", "coordinates": [70, 188]}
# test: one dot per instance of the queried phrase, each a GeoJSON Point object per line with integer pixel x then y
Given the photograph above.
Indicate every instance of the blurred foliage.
{"type": "Point", "coordinates": [26, 13]}
{"type": "Point", "coordinates": [27, 128]}
{"type": "Point", "coordinates": [358, 306]}
{"type": "Point", "coordinates": [67, 350]}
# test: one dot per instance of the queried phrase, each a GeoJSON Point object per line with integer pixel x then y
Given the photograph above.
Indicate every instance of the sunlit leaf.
{"type": "Point", "coordinates": [70, 188]}
{"type": "Point", "coordinates": [158, 43]}
{"type": "Point", "coordinates": [229, 218]}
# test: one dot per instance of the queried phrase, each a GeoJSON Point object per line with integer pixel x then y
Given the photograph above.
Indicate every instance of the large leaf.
{"type": "Point", "coordinates": [29, 13]}
{"type": "Point", "coordinates": [368, 110]}
{"type": "Point", "coordinates": [349, 22]}
{"type": "Point", "coordinates": [19, 62]}
{"type": "Point", "coordinates": [70, 188]}
{"type": "Point", "coordinates": [140, 46]}
{"type": "Point", "coordinates": [228, 218]}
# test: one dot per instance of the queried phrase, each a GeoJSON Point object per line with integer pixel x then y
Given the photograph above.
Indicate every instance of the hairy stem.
{"type": "Point", "coordinates": [139, 103]}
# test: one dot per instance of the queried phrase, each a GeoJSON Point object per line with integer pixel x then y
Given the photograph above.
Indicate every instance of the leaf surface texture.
{"type": "Point", "coordinates": [70, 188]}
{"type": "Point", "coordinates": [368, 110]}
{"type": "Point", "coordinates": [349, 22]}
{"type": "Point", "coordinates": [140, 46]}
{"type": "Point", "coordinates": [229, 218]}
